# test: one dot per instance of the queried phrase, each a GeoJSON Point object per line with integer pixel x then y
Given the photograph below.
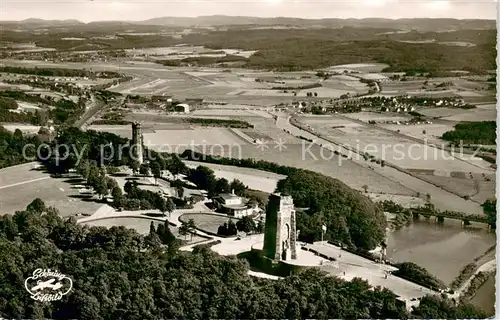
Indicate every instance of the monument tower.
{"type": "Point", "coordinates": [280, 229]}
{"type": "Point", "coordinates": [137, 142]}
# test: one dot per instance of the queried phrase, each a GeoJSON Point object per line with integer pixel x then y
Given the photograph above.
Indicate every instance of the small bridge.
{"type": "Point", "coordinates": [441, 216]}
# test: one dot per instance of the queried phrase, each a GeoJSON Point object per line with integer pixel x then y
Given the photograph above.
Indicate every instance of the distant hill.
{"type": "Point", "coordinates": [41, 21]}
{"type": "Point", "coordinates": [421, 24]}
{"type": "Point", "coordinates": [33, 23]}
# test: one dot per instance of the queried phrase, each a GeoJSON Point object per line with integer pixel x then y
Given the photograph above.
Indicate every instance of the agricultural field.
{"type": "Point", "coordinates": [160, 139]}
{"type": "Point", "coordinates": [210, 83]}
{"type": "Point", "coordinates": [415, 88]}
{"type": "Point", "coordinates": [253, 179]}
{"type": "Point", "coordinates": [461, 187]}
{"type": "Point", "coordinates": [170, 82]}
{"type": "Point", "coordinates": [404, 201]}
{"type": "Point", "coordinates": [324, 162]}
{"type": "Point", "coordinates": [361, 67]}
{"type": "Point", "coordinates": [181, 52]}
{"type": "Point", "coordinates": [27, 129]}
{"type": "Point", "coordinates": [207, 222]}
{"type": "Point", "coordinates": [379, 117]}
{"type": "Point", "coordinates": [395, 148]}
{"type": "Point", "coordinates": [19, 185]}
{"type": "Point", "coordinates": [265, 128]}
{"type": "Point", "coordinates": [440, 112]}
{"type": "Point", "coordinates": [487, 189]}
{"type": "Point", "coordinates": [432, 132]}
{"type": "Point", "coordinates": [478, 114]}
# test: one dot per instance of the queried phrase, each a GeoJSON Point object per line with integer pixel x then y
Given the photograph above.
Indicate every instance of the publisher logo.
{"type": "Point", "coordinates": [48, 285]}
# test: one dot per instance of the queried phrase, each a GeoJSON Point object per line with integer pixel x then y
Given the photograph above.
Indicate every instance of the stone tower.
{"type": "Point", "coordinates": [137, 142]}
{"type": "Point", "coordinates": [280, 231]}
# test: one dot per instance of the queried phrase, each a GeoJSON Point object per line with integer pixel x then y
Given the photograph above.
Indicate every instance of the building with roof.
{"type": "Point", "coordinates": [182, 107]}
{"type": "Point", "coordinates": [233, 205]}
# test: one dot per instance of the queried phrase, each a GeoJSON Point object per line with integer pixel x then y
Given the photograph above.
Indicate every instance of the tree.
{"type": "Point", "coordinates": [133, 204]}
{"type": "Point", "coordinates": [222, 186]}
{"type": "Point", "coordinates": [428, 197]}
{"type": "Point", "coordinates": [153, 241]}
{"type": "Point", "coordinates": [490, 210]}
{"type": "Point", "coordinates": [184, 229]}
{"type": "Point", "coordinates": [100, 186]}
{"type": "Point", "coordinates": [260, 227]}
{"type": "Point", "coordinates": [156, 170]}
{"type": "Point", "coordinates": [112, 170]}
{"type": "Point", "coordinates": [180, 192]}
{"type": "Point", "coordinates": [130, 187]}
{"type": "Point", "coordinates": [231, 228]}
{"type": "Point", "coordinates": [144, 169]}
{"type": "Point", "coordinates": [134, 165]}
{"type": "Point", "coordinates": [246, 224]}
{"type": "Point", "coordinates": [117, 195]}
{"type": "Point", "coordinates": [191, 227]}
{"type": "Point", "coordinates": [162, 206]}
{"type": "Point", "coordinates": [152, 228]}
{"type": "Point", "coordinates": [238, 187]}
{"type": "Point", "coordinates": [94, 174]}
{"type": "Point", "coordinates": [139, 279]}
{"type": "Point", "coordinates": [170, 205]}
{"type": "Point", "coordinates": [37, 206]}
{"type": "Point", "coordinates": [203, 178]}
{"type": "Point", "coordinates": [111, 183]}
{"type": "Point", "coordinates": [167, 237]}
{"type": "Point", "coordinates": [84, 170]}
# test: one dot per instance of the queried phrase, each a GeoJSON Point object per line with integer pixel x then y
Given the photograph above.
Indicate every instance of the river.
{"type": "Point", "coordinates": [485, 296]}
{"type": "Point", "coordinates": [444, 250]}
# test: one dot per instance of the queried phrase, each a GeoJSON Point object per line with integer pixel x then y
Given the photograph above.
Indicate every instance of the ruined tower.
{"type": "Point", "coordinates": [137, 142]}
{"type": "Point", "coordinates": [280, 230]}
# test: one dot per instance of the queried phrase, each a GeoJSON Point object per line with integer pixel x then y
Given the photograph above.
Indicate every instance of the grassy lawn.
{"type": "Point", "coordinates": [206, 222]}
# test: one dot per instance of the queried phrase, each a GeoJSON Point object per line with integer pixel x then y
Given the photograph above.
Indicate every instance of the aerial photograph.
{"type": "Point", "coordinates": [258, 159]}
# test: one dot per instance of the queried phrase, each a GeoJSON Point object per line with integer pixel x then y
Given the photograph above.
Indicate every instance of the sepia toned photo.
{"type": "Point", "coordinates": [253, 159]}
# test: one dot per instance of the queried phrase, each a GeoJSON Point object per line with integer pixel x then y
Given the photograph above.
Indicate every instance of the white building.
{"type": "Point", "coordinates": [184, 107]}
{"type": "Point", "coordinates": [233, 205]}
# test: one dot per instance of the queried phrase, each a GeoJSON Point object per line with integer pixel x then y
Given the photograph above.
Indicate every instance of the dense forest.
{"type": "Point", "coordinates": [59, 72]}
{"type": "Point", "coordinates": [119, 274]}
{"type": "Point", "coordinates": [228, 123]}
{"type": "Point", "coordinates": [473, 133]}
{"type": "Point", "coordinates": [62, 112]}
{"type": "Point", "coordinates": [290, 50]}
{"type": "Point", "coordinates": [11, 147]}
{"type": "Point", "coordinates": [350, 217]}
{"type": "Point", "coordinates": [300, 49]}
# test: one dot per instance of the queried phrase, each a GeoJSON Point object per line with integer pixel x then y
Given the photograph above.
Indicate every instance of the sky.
{"type": "Point", "coordinates": [127, 10]}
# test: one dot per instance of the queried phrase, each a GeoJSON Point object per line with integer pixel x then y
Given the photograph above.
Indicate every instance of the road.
{"type": "Point", "coordinates": [93, 107]}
